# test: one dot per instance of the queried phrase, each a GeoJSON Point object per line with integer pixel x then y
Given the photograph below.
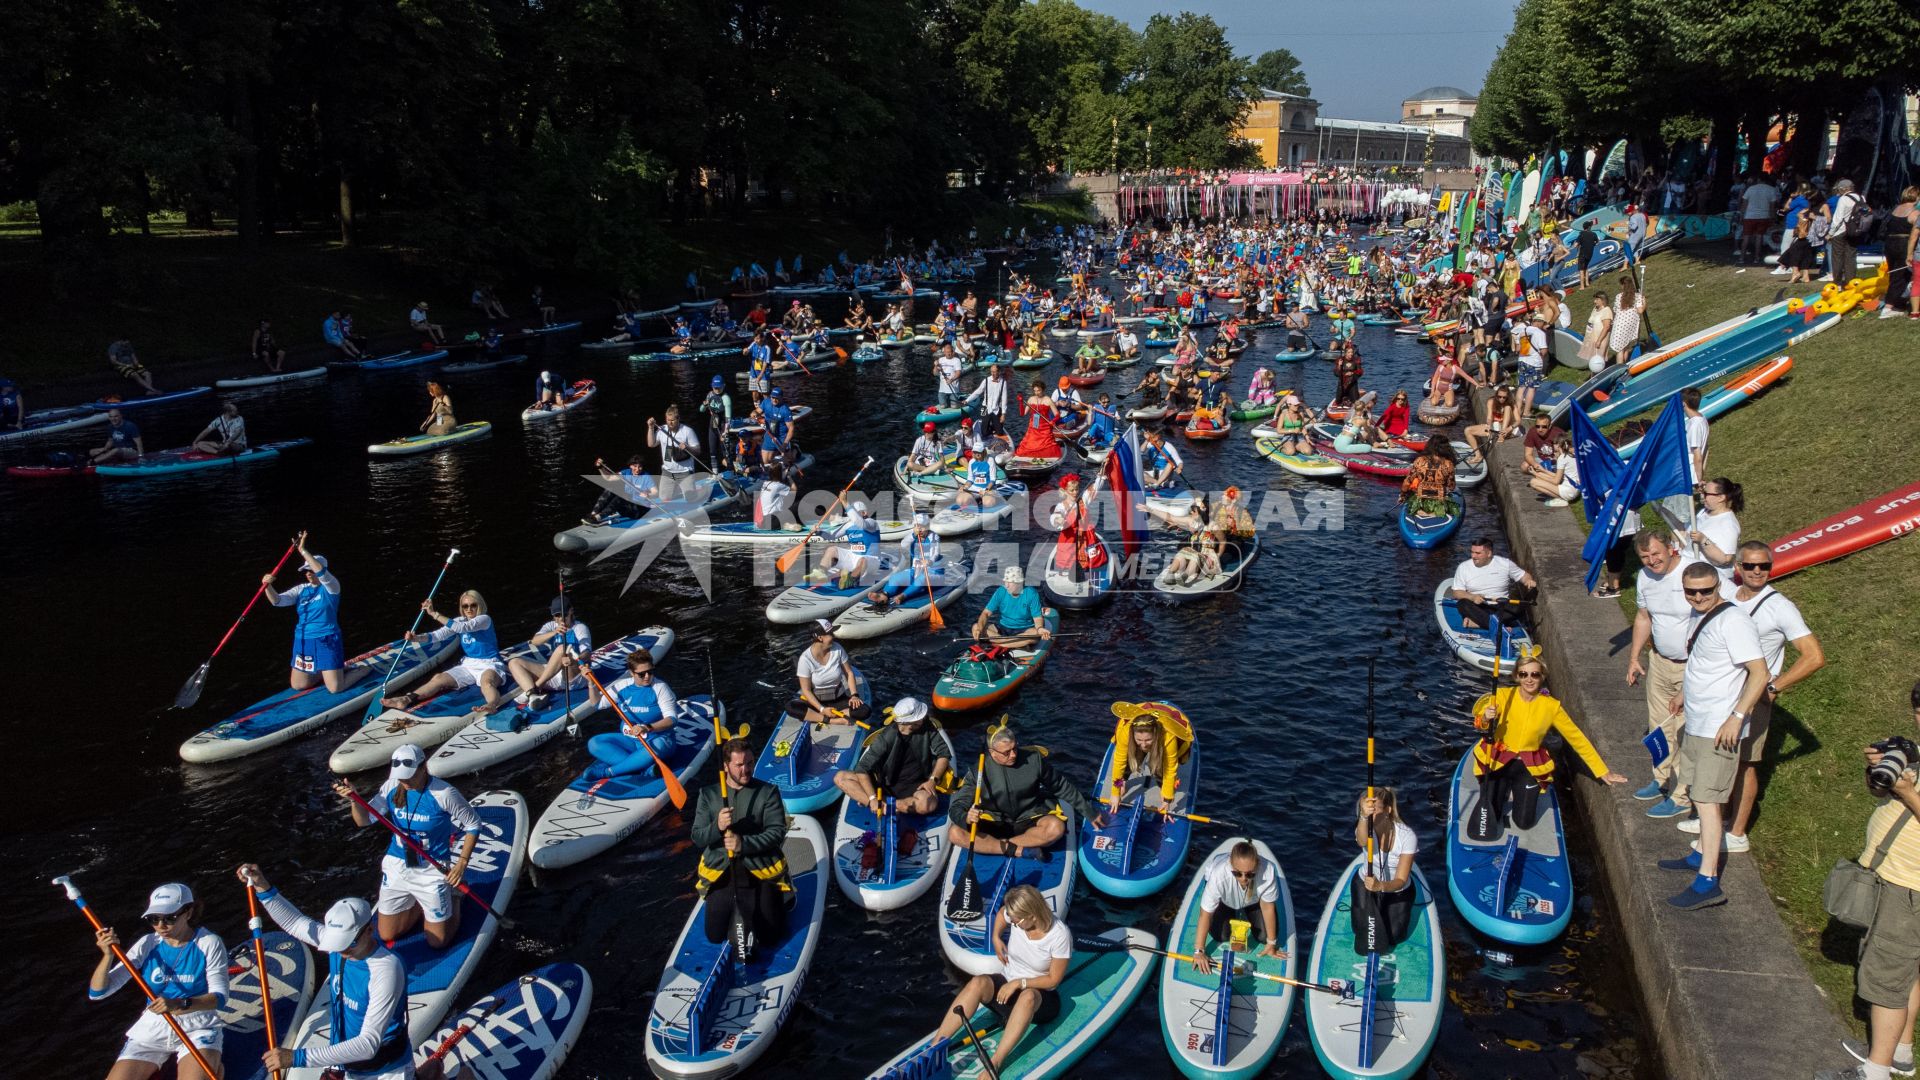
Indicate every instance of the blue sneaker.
{"type": "Point", "coordinates": [1666, 808]}
{"type": "Point", "coordinates": [1651, 792]}
{"type": "Point", "coordinates": [1689, 862]}
{"type": "Point", "coordinates": [1695, 896]}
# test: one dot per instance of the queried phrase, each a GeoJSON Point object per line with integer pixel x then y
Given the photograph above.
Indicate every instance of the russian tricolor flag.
{"type": "Point", "coordinates": [1123, 477]}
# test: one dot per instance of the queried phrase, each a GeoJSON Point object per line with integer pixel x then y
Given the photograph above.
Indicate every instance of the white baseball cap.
{"type": "Point", "coordinates": [407, 759]}
{"type": "Point", "coordinates": [822, 626]}
{"type": "Point", "coordinates": [909, 710]}
{"type": "Point", "coordinates": [859, 507]}
{"type": "Point", "coordinates": [922, 519]}
{"type": "Point", "coordinates": [168, 899]}
{"type": "Point", "coordinates": [342, 926]}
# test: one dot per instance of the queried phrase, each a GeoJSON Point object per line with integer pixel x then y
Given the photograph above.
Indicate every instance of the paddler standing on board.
{"type": "Point", "coordinates": [428, 811]}
{"type": "Point", "coordinates": [741, 828]}
{"type": "Point", "coordinates": [1511, 762]}
{"type": "Point", "coordinates": [366, 989]}
{"type": "Point", "coordinates": [317, 648]}
{"type": "Point", "coordinates": [1019, 812]}
{"type": "Point", "coordinates": [1078, 549]}
{"type": "Point", "coordinates": [1150, 743]}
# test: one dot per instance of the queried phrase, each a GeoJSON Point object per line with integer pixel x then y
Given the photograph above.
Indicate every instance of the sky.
{"type": "Point", "coordinates": [1362, 57]}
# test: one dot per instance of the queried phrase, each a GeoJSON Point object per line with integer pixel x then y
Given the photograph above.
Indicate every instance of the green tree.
{"type": "Point", "coordinates": [1195, 90]}
{"type": "Point", "coordinates": [1279, 69]}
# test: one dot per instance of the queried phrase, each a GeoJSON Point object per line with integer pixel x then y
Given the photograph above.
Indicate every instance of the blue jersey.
{"type": "Point", "coordinates": [429, 818]}
{"type": "Point", "coordinates": [778, 419]}
{"type": "Point", "coordinates": [176, 972]}
{"type": "Point", "coordinates": [980, 472]}
{"type": "Point", "coordinates": [1100, 428]}
{"type": "Point", "coordinates": [351, 983]}
{"type": "Point", "coordinates": [864, 540]}
{"type": "Point", "coordinates": [477, 638]}
{"type": "Point", "coordinates": [316, 608]}
{"type": "Point", "coordinates": [644, 705]}
{"type": "Point", "coordinates": [1014, 613]}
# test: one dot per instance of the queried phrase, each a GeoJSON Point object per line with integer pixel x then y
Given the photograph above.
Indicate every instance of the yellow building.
{"type": "Point", "coordinates": [1281, 127]}
{"type": "Point", "coordinates": [1289, 132]}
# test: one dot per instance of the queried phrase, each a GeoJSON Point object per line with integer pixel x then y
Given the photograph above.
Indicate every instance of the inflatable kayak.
{"type": "Point", "coordinates": [1095, 582]}
{"type": "Point", "coordinates": [862, 866]}
{"type": "Point", "coordinates": [1407, 990]}
{"type": "Point", "coordinates": [1423, 531]}
{"type": "Point", "coordinates": [1220, 1026]}
{"type": "Point", "coordinates": [426, 723]}
{"type": "Point", "coordinates": [1141, 850]}
{"type": "Point", "coordinates": [965, 943]}
{"type": "Point", "coordinates": [714, 1017]}
{"type": "Point", "coordinates": [935, 414]}
{"type": "Point", "coordinates": [660, 519]}
{"type": "Point", "coordinates": [490, 740]}
{"type": "Point", "coordinates": [49, 421]}
{"type": "Point", "coordinates": [823, 599]}
{"type": "Point", "coordinates": [1518, 886]}
{"type": "Point", "coordinates": [1875, 521]}
{"type": "Point", "coordinates": [1100, 989]}
{"type": "Point", "coordinates": [1204, 429]}
{"type": "Point", "coordinates": [410, 358]}
{"type": "Point", "coordinates": [1315, 465]}
{"type": "Point", "coordinates": [291, 713]}
{"type": "Point", "coordinates": [272, 380]}
{"type": "Point", "coordinates": [290, 980]}
{"type": "Point", "coordinates": [435, 977]}
{"type": "Point", "coordinates": [801, 758]}
{"type": "Point", "coordinates": [523, 1030]}
{"type": "Point", "coordinates": [1475, 646]}
{"type": "Point", "coordinates": [1086, 380]}
{"type": "Point", "coordinates": [1234, 557]}
{"type": "Point", "coordinates": [576, 396]}
{"type": "Point", "coordinates": [424, 444]}
{"type": "Point", "coordinates": [984, 676]}
{"type": "Point", "coordinates": [107, 404]}
{"type": "Point", "coordinates": [169, 462]}
{"type": "Point", "coordinates": [590, 816]}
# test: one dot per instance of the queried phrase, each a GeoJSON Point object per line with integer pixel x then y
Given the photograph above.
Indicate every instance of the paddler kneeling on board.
{"type": "Point", "coordinates": [1383, 888]}
{"type": "Point", "coordinates": [1511, 763]}
{"type": "Point", "coordinates": [1020, 795]}
{"type": "Point", "coordinates": [1014, 617]}
{"type": "Point", "coordinates": [368, 1037]}
{"type": "Point", "coordinates": [650, 709]}
{"type": "Point", "coordinates": [741, 828]}
{"type": "Point", "coordinates": [1033, 948]}
{"type": "Point", "coordinates": [428, 810]}
{"type": "Point", "coordinates": [1150, 743]}
{"type": "Point", "coordinates": [920, 553]}
{"type": "Point", "coordinates": [479, 655]}
{"type": "Point", "coordinates": [906, 758]}
{"type": "Point", "coordinates": [1241, 896]}
{"type": "Point", "coordinates": [317, 646]}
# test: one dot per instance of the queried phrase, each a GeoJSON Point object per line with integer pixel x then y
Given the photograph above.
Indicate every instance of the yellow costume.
{"type": "Point", "coordinates": [1176, 738]}
{"type": "Point", "coordinates": [1520, 730]}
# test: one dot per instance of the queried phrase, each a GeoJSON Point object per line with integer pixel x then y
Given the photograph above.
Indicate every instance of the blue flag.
{"type": "Point", "coordinates": [1660, 468]}
{"type": "Point", "coordinates": [1600, 464]}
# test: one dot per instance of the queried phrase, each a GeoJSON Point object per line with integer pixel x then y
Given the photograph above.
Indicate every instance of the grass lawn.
{"type": "Point", "coordinates": [1816, 443]}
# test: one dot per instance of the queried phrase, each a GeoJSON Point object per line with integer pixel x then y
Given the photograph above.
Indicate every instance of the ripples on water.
{"type": "Point", "coordinates": [116, 591]}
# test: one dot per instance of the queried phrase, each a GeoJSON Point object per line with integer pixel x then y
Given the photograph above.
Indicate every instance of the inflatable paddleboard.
{"type": "Point", "coordinates": [523, 1030]}
{"type": "Point", "coordinates": [1423, 531]}
{"type": "Point", "coordinates": [124, 404]}
{"type": "Point", "coordinates": [423, 444]}
{"type": "Point", "coordinates": [863, 620]}
{"type": "Point", "coordinates": [803, 603]}
{"type": "Point", "coordinates": [1518, 886]}
{"type": "Point", "coordinates": [271, 380]}
{"type": "Point", "coordinates": [1875, 521]}
{"type": "Point", "coordinates": [801, 759]}
{"type": "Point", "coordinates": [966, 944]}
{"type": "Point", "coordinates": [49, 421]}
{"type": "Point", "coordinates": [579, 394]}
{"type": "Point", "coordinates": [1239, 1045]}
{"type": "Point", "coordinates": [1140, 850]}
{"type": "Point", "coordinates": [172, 462]}
{"type": "Point", "coordinates": [861, 866]}
{"type": "Point", "coordinates": [1475, 646]}
{"type": "Point", "coordinates": [1408, 990]}
{"type": "Point", "coordinates": [290, 978]}
{"type": "Point", "coordinates": [590, 816]}
{"type": "Point", "coordinates": [428, 722]}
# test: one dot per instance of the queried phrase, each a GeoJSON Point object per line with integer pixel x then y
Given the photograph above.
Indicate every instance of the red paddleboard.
{"type": "Point", "coordinates": [1872, 522]}
{"type": "Point", "coordinates": [48, 472]}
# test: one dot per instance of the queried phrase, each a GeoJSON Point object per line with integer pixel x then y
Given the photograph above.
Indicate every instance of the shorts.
{"type": "Point", "coordinates": [323, 653]}
{"type": "Point", "coordinates": [1890, 953]}
{"type": "Point", "coordinates": [155, 1048]}
{"type": "Point", "coordinates": [1045, 1012]}
{"type": "Point", "coordinates": [1754, 226]}
{"type": "Point", "coordinates": [1705, 770]}
{"type": "Point", "coordinates": [761, 385]}
{"type": "Point", "coordinates": [1529, 376]}
{"type": "Point", "coordinates": [1754, 746]}
{"type": "Point", "coordinates": [402, 886]}
{"type": "Point", "coordinates": [468, 671]}
{"type": "Point", "coordinates": [1569, 490]}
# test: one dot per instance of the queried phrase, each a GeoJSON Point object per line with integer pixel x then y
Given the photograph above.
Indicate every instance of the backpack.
{"type": "Point", "coordinates": [1866, 226]}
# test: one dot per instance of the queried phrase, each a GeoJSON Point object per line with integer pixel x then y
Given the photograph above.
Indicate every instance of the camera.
{"type": "Point", "coordinates": [1897, 754]}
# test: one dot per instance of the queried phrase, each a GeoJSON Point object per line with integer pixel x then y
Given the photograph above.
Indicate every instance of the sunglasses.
{"type": "Point", "coordinates": [1531, 675]}
{"type": "Point", "coordinates": [469, 607]}
{"type": "Point", "coordinates": [1756, 566]}
{"type": "Point", "coordinates": [1711, 590]}
{"type": "Point", "coordinates": [643, 673]}
{"type": "Point", "coordinates": [165, 920]}
{"type": "Point", "coordinates": [1245, 875]}
{"type": "Point", "coordinates": [1708, 491]}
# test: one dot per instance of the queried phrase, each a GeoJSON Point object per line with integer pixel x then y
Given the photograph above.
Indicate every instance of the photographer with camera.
{"type": "Point", "coordinates": [1726, 673]}
{"type": "Point", "coordinates": [1888, 979]}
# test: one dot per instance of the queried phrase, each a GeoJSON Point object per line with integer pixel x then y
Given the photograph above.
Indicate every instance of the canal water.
{"type": "Point", "coordinates": [117, 589]}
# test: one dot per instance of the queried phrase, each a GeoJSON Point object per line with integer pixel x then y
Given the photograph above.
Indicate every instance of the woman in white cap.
{"type": "Point", "coordinates": [1014, 615]}
{"type": "Point", "coordinates": [429, 811]}
{"type": "Point", "coordinates": [567, 637]}
{"type": "Point", "coordinates": [906, 759]}
{"type": "Point", "coordinates": [829, 683]}
{"type": "Point", "coordinates": [186, 965]}
{"type": "Point", "coordinates": [366, 989]}
{"type": "Point", "coordinates": [317, 648]}
{"type": "Point", "coordinates": [480, 663]}
{"type": "Point", "coordinates": [855, 541]}
{"type": "Point", "coordinates": [920, 553]}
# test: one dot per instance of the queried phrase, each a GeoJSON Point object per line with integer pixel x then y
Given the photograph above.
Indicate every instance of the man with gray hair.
{"type": "Point", "coordinates": [1842, 259]}
{"type": "Point", "coordinates": [1015, 617]}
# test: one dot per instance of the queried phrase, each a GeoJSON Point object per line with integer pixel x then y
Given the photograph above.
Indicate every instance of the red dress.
{"type": "Point", "coordinates": [1078, 540]}
{"type": "Point", "coordinates": [1038, 442]}
{"type": "Point", "coordinates": [1395, 418]}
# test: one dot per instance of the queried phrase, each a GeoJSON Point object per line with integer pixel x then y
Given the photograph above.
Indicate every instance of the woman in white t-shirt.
{"type": "Point", "coordinates": [1033, 948]}
{"type": "Point", "coordinates": [828, 681]}
{"type": "Point", "coordinates": [1715, 536]}
{"type": "Point", "coordinates": [1384, 885]}
{"type": "Point", "coordinates": [772, 508]}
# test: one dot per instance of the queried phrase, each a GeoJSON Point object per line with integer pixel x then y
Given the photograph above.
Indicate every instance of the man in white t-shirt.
{"type": "Point", "coordinates": [1780, 624]}
{"type": "Point", "coordinates": [1757, 204]}
{"type": "Point", "coordinates": [946, 374]}
{"type": "Point", "coordinates": [1241, 886]}
{"type": "Point", "coordinates": [1660, 622]}
{"type": "Point", "coordinates": [677, 444]}
{"type": "Point", "coordinates": [1484, 582]}
{"type": "Point", "coordinates": [422, 325]}
{"type": "Point", "coordinates": [1726, 675]}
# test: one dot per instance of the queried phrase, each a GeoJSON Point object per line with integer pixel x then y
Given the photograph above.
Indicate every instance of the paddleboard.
{"type": "Point", "coordinates": [1409, 991]}
{"type": "Point", "coordinates": [1235, 554]}
{"type": "Point", "coordinates": [1475, 646]}
{"type": "Point", "coordinates": [478, 746]}
{"type": "Point", "coordinates": [428, 723]}
{"type": "Point", "coordinates": [107, 404]}
{"type": "Point", "coordinates": [957, 520]}
{"type": "Point", "coordinates": [747, 534]}
{"type": "Point", "coordinates": [523, 1030]}
{"type": "Point", "coordinates": [49, 421]}
{"type": "Point", "coordinates": [1257, 1011]}
{"type": "Point", "coordinates": [1095, 583]}
{"type": "Point", "coordinates": [824, 599]}
{"type": "Point", "coordinates": [725, 1031]}
{"type": "Point", "coordinates": [966, 944]}
{"type": "Point", "coordinates": [171, 462]}
{"type": "Point", "coordinates": [981, 684]}
{"type": "Point", "coordinates": [422, 444]}
{"type": "Point", "coordinates": [1517, 887]}
{"type": "Point", "coordinates": [863, 620]}
{"type": "Point", "coordinates": [1875, 521]}
{"type": "Point", "coordinates": [466, 366]}
{"type": "Point", "coordinates": [589, 816]}
{"type": "Point", "coordinates": [800, 758]}
{"type": "Point", "coordinates": [1314, 465]}
{"type": "Point", "coordinates": [271, 380]}
{"type": "Point", "coordinates": [289, 713]}
{"type": "Point", "coordinates": [1422, 531]}
{"type": "Point", "coordinates": [659, 520]}
{"type": "Point", "coordinates": [580, 393]}
{"type": "Point", "coordinates": [399, 360]}
{"type": "Point", "coordinates": [290, 978]}
{"type": "Point", "coordinates": [860, 866]}
{"type": "Point", "coordinates": [1140, 850]}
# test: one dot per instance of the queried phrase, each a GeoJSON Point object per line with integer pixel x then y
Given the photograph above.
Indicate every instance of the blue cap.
{"type": "Point", "coordinates": [775, 392]}
{"type": "Point", "coordinates": [718, 382]}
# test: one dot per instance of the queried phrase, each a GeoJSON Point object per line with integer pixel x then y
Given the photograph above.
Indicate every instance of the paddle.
{"type": "Point", "coordinates": [73, 894]}
{"type": "Point", "coordinates": [1365, 1057]}
{"type": "Point", "coordinates": [675, 791]}
{"type": "Point", "coordinates": [979, 1051]}
{"type": "Point", "coordinates": [785, 561]}
{"type": "Point", "coordinates": [258, 927]}
{"type": "Point", "coordinates": [190, 692]}
{"type": "Point", "coordinates": [1095, 943]}
{"type": "Point", "coordinates": [414, 846]}
{"type": "Point", "coordinates": [964, 903]}
{"type": "Point", "coordinates": [397, 653]}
